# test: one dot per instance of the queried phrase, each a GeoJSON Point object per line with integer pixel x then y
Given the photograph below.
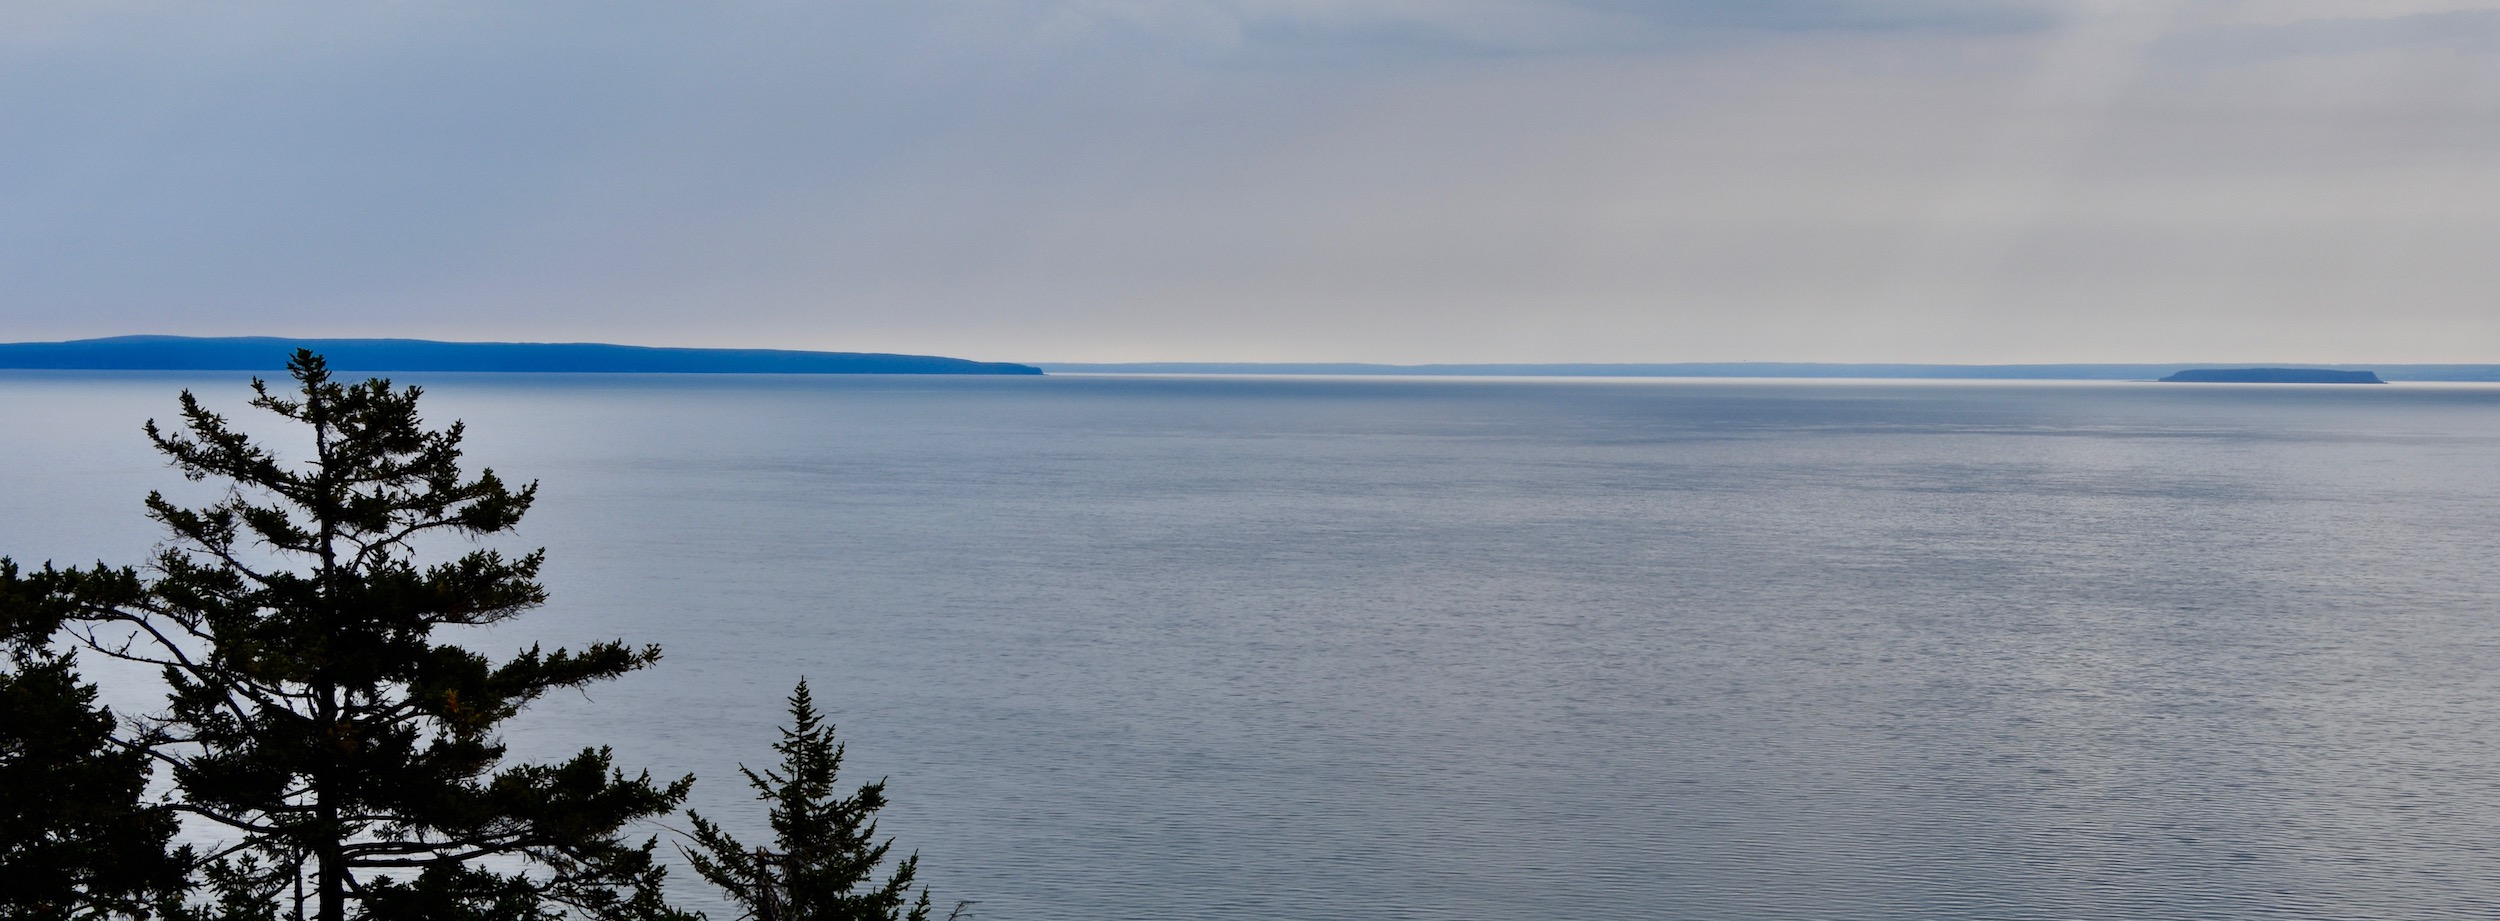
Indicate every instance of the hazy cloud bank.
{"type": "Point", "coordinates": [1468, 180]}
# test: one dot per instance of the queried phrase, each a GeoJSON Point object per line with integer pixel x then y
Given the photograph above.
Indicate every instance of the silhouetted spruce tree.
{"type": "Point", "coordinates": [76, 838]}
{"type": "Point", "coordinates": [825, 853]}
{"type": "Point", "coordinates": [313, 711]}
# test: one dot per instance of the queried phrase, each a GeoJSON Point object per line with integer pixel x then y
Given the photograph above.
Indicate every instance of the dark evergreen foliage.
{"type": "Point", "coordinates": [825, 857]}
{"type": "Point", "coordinates": [76, 839]}
{"type": "Point", "coordinates": [316, 715]}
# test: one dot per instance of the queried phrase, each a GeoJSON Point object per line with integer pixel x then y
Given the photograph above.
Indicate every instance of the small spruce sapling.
{"type": "Point", "coordinates": [825, 853]}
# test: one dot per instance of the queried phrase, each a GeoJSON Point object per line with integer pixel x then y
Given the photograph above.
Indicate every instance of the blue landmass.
{"type": "Point", "coordinates": [2271, 376]}
{"type": "Point", "coordinates": [269, 353]}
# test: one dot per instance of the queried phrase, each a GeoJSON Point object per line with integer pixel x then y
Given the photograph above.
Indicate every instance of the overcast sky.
{"type": "Point", "coordinates": [1245, 180]}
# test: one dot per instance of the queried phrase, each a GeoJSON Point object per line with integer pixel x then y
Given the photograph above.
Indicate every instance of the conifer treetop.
{"type": "Point", "coordinates": [315, 714]}
{"type": "Point", "coordinates": [825, 852]}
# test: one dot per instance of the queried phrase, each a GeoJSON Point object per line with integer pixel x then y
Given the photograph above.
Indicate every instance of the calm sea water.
{"type": "Point", "coordinates": [1434, 649]}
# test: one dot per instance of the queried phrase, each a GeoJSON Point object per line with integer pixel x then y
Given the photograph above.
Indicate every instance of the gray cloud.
{"type": "Point", "coordinates": [1266, 179]}
{"type": "Point", "coordinates": [1339, 32]}
{"type": "Point", "coordinates": [2475, 32]}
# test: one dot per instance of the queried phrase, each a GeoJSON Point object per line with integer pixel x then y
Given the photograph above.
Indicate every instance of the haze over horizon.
{"type": "Point", "coordinates": [1947, 181]}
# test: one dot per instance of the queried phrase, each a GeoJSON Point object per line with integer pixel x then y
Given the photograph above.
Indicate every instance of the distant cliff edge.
{"type": "Point", "coordinates": [2272, 376]}
{"type": "Point", "coordinates": [269, 353]}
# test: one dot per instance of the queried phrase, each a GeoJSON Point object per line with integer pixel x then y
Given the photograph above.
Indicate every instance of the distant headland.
{"type": "Point", "coordinates": [269, 353]}
{"type": "Point", "coordinates": [2271, 376]}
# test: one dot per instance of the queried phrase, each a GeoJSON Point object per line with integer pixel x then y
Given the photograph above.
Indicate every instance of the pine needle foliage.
{"type": "Point", "coordinates": [315, 712]}
{"type": "Point", "coordinates": [825, 854]}
{"type": "Point", "coordinates": [77, 837]}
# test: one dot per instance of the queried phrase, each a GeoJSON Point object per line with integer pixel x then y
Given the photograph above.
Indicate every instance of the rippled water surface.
{"type": "Point", "coordinates": [1435, 649]}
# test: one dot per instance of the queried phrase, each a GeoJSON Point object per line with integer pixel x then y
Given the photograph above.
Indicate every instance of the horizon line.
{"type": "Point", "coordinates": [778, 359]}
